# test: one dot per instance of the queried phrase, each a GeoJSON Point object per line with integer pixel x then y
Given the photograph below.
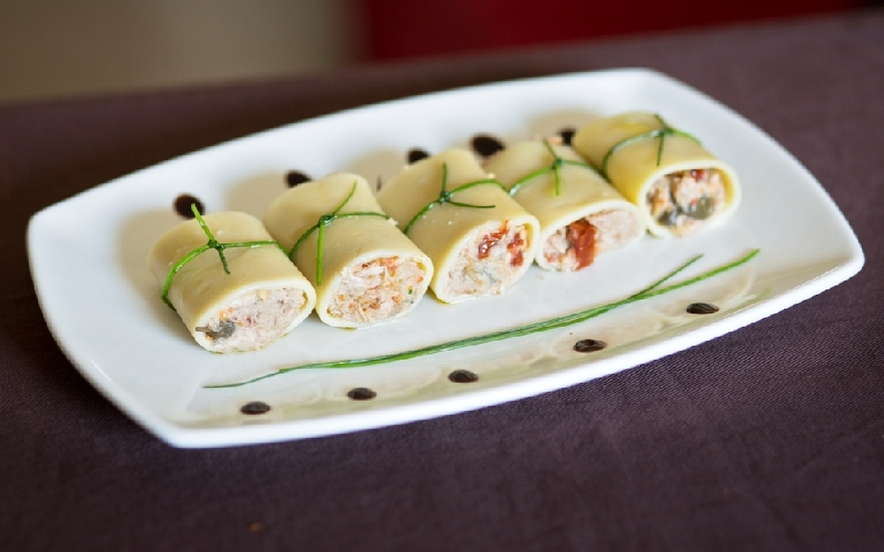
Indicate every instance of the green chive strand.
{"type": "Point", "coordinates": [319, 228]}
{"type": "Point", "coordinates": [654, 290]}
{"type": "Point", "coordinates": [211, 244]}
{"type": "Point", "coordinates": [445, 196]}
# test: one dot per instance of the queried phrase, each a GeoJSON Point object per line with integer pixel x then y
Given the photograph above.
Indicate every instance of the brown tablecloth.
{"type": "Point", "coordinates": [769, 438]}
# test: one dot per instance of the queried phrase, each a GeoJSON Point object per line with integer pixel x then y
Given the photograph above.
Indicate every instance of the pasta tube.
{"type": "Point", "coordinates": [364, 269]}
{"type": "Point", "coordinates": [580, 214]}
{"type": "Point", "coordinates": [480, 240]}
{"type": "Point", "coordinates": [676, 183]}
{"type": "Point", "coordinates": [230, 283]}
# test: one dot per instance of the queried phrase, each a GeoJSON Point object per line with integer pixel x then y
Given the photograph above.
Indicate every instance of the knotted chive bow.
{"type": "Point", "coordinates": [555, 167]}
{"type": "Point", "coordinates": [445, 196]}
{"type": "Point", "coordinates": [661, 133]}
{"type": "Point", "coordinates": [211, 244]}
{"type": "Point", "coordinates": [324, 221]}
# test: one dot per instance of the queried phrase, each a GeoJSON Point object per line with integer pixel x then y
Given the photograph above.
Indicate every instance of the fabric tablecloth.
{"type": "Point", "coordinates": [768, 438]}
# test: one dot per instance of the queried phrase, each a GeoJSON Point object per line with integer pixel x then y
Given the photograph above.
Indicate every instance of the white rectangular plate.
{"type": "Point", "coordinates": [88, 260]}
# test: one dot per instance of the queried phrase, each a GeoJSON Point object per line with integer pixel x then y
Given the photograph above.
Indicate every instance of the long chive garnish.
{"type": "Point", "coordinates": [653, 290]}
{"type": "Point", "coordinates": [324, 221]}
{"type": "Point", "coordinates": [211, 244]}
{"type": "Point", "coordinates": [661, 133]}
{"type": "Point", "coordinates": [445, 196]}
{"type": "Point", "coordinates": [555, 167]}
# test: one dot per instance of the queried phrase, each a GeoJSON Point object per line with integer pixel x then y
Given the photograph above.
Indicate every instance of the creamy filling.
{"type": "Point", "coordinates": [253, 320]}
{"type": "Point", "coordinates": [377, 290]}
{"type": "Point", "coordinates": [490, 262]}
{"type": "Point", "coordinates": [575, 245]}
{"type": "Point", "coordinates": [684, 200]}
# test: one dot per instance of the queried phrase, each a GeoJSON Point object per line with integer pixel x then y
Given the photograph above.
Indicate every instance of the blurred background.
{"type": "Point", "coordinates": [59, 48]}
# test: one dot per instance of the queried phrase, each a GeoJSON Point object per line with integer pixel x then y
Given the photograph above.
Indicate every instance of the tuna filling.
{"type": "Point", "coordinates": [682, 201]}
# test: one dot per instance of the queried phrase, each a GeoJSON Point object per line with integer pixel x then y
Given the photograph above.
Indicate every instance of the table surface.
{"type": "Point", "coordinates": [775, 446]}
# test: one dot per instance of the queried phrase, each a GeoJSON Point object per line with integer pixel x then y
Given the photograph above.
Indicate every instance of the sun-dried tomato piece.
{"type": "Point", "coordinates": [581, 237]}
{"type": "Point", "coordinates": [516, 250]}
{"type": "Point", "coordinates": [489, 241]}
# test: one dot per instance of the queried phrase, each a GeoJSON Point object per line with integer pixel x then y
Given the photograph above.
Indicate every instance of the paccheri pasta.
{"type": "Point", "coordinates": [581, 215]}
{"type": "Point", "coordinates": [677, 184]}
{"type": "Point", "coordinates": [464, 230]}
{"type": "Point", "coordinates": [364, 269]}
{"type": "Point", "coordinates": [230, 283]}
{"type": "Point", "coordinates": [480, 239]}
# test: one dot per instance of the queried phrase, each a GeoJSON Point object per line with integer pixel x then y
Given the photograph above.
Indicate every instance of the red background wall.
{"type": "Point", "coordinates": [406, 28]}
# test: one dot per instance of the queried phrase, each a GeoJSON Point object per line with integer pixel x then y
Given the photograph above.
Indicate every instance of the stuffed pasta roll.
{"type": "Point", "coordinates": [581, 215]}
{"type": "Point", "coordinates": [676, 183]}
{"type": "Point", "coordinates": [480, 239]}
{"type": "Point", "coordinates": [364, 269]}
{"type": "Point", "coordinates": [241, 294]}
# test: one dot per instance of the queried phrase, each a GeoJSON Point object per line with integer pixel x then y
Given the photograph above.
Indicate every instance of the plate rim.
{"type": "Point", "coordinates": [275, 431]}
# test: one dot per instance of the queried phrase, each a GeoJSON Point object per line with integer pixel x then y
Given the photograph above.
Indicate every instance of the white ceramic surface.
{"type": "Point", "coordinates": [88, 255]}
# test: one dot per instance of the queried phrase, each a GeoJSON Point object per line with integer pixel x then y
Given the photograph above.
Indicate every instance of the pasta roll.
{"type": "Point", "coordinates": [480, 239]}
{"type": "Point", "coordinates": [580, 214]}
{"type": "Point", "coordinates": [260, 297]}
{"type": "Point", "coordinates": [676, 183]}
{"type": "Point", "coordinates": [364, 269]}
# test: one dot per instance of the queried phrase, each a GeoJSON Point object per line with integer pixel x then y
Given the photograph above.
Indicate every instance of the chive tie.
{"type": "Point", "coordinates": [319, 228]}
{"type": "Point", "coordinates": [557, 163]}
{"type": "Point", "coordinates": [211, 243]}
{"type": "Point", "coordinates": [660, 134]}
{"type": "Point", "coordinates": [445, 196]}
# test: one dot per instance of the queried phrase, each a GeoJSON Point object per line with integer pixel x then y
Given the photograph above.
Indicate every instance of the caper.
{"type": "Point", "coordinates": [702, 209]}
{"type": "Point", "coordinates": [669, 217]}
{"type": "Point", "coordinates": [225, 329]}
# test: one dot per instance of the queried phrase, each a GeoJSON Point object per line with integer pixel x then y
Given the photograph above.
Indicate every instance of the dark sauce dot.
{"type": "Point", "coordinates": [486, 145]}
{"type": "Point", "coordinates": [255, 407]}
{"type": "Point", "coordinates": [567, 135]}
{"type": "Point", "coordinates": [589, 345]}
{"type": "Point", "coordinates": [463, 376]}
{"type": "Point", "coordinates": [416, 154]}
{"type": "Point", "coordinates": [361, 394]}
{"type": "Point", "coordinates": [183, 203]}
{"type": "Point", "coordinates": [293, 178]}
{"type": "Point", "coordinates": [702, 308]}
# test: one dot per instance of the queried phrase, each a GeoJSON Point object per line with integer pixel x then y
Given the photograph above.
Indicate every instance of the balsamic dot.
{"type": "Point", "coordinates": [486, 145]}
{"type": "Point", "coordinates": [416, 154]}
{"type": "Point", "coordinates": [463, 376]}
{"type": "Point", "coordinates": [361, 394]}
{"type": "Point", "coordinates": [702, 308]}
{"type": "Point", "coordinates": [567, 135]}
{"type": "Point", "coordinates": [293, 178]}
{"type": "Point", "coordinates": [183, 203]}
{"type": "Point", "coordinates": [589, 345]}
{"type": "Point", "coordinates": [255, 407]}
